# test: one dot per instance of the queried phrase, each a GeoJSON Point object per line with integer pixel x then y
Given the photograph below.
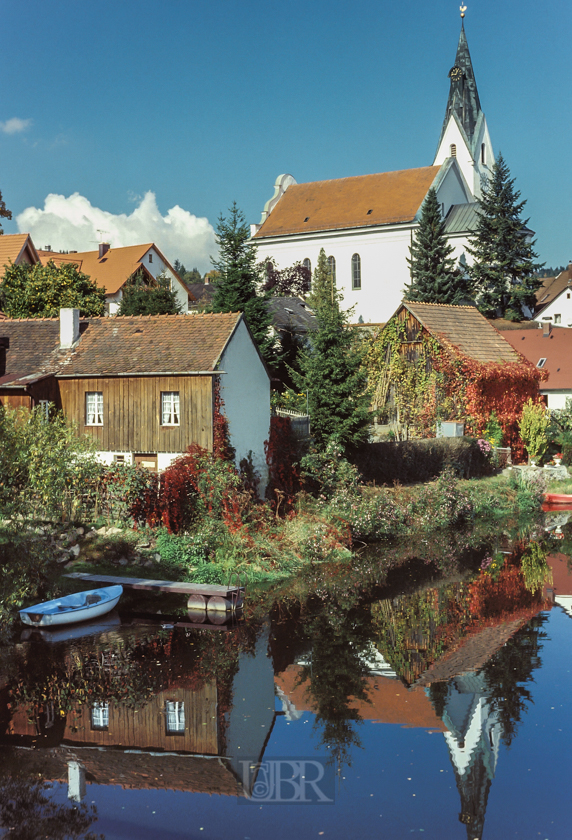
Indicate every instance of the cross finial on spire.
{"type": "Point", "coordinates": [463, 10]}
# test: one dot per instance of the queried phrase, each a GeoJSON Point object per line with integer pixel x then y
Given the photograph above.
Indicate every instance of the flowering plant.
{"type": "Point", "coordinates": [558, 455]}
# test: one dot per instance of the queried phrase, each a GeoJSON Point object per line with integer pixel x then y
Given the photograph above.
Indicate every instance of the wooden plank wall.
{"type": "Point", "coordinates": [144, 728]}
{"type": "Point", "coordinates": [14, 400]}
{"type": "Point", "coordinates": [411, 347]}
{"type": "Point", "coordinates": [132, 412]}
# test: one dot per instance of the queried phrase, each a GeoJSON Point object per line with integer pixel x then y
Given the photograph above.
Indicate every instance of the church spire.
{"type": "Point", "coordinates": [463, 95]}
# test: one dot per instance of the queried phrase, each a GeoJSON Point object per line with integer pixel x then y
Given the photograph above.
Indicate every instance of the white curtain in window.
{"type": "Point", "coordinates": [94, 408]}
{"type": "Point", "coordinates": [175, 716]}
{"type": "Point", "coordinates": [170, 408]}
{"type": "Point", "coordinates": [100, 715]}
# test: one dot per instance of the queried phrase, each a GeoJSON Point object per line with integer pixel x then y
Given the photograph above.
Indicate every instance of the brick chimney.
{"type": "Point", "coordinates": [103, 249]}
{"type": "Point", "coordinates": [69, 328]}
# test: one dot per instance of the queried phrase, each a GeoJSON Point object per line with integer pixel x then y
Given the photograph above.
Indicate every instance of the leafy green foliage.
{"type": "Point", "coordinates": [144, 296]}
{"type": "Point", "coordinates": [192, 276]}
{"type": "Point", "coordinates": [504, 269]}
{"type": "Point", "coordinates": [40, 291]}
{"type": "Point", "coordinates": [294, 280]}
{"type": "Point", "coordinates": [239, 279]}
{"type": "Point", "coordinates": [4, 212]}
{"type": "Point", "coordinates": [434, 278]}
{"type": "Point", "coordinates": [533, 427]}
{"type": "Point", "coordinates": [335, 379]}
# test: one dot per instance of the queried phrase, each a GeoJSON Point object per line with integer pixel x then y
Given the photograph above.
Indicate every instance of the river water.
{"type": "Point", "coordinates": [433, 709]}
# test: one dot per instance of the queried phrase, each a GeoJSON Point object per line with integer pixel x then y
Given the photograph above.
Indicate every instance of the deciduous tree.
{"type": "Point", "coordinates": [4, 212]}
{"type": "Point", "coordinates": [40, 291]}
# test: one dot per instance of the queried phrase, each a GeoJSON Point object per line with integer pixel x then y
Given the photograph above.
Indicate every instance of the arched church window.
{"type": "Point", "coordinates": [453, 150]}
{"type": "Point", "coordinates": [483, 153]}
{"type": "Point", "coordinates": [332, 267]}
{"type": "Point", "coordinates": [356, 271]}
{"type": "Point", "coordinates": [307, 264]}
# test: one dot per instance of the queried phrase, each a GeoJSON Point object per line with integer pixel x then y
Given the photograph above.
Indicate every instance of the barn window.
{"type": "Point", "coordinates": [100, 716]}
{"type": "Point", "coordinates": [356, 271]}
{"type": "Point", "coordinates": [170, 408]}
{"type": "Point", "coordinates": [174, 717]}
{"type": "Point", "coordinates": [94, 408]}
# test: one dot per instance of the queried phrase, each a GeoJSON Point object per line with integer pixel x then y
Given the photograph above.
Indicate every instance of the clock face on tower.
{"type": "Point", "coordinates": [455, 74]}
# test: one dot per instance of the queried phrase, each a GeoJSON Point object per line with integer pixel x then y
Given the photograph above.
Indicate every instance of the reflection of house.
{"type": "Point", "coordinates": [184, 737]}
{"type": "Point", "coordinates": [560, 590]}
{"type": "Point", "coordinates": [113, 267]}
{"type": "Point", "coordinates": [142, 388]}
{"type": "Point", "coordinates": [550, 350]}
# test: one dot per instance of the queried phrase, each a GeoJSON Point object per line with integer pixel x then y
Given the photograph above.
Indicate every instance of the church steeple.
{"type": "Point", "coordinates": [464, 134]}
{"type": "Point", "coordinates": [463, 95]}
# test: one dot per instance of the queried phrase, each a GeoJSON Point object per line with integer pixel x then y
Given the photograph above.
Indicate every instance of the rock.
{"type": "Point", "coordinates": [90, 535]}
{"type": "Point", "coordinates": [63, 559]}
{"type": "Point", "coordinates": [102, 530]}
{"type": "Point", "coordinates": [80, 531]}
{"type": "Point", "coordinates": [148, 563]}
{"type": "Point", "coordinates": [123, 561]}
{"type": "Point", "coordinates": [143, 545]}
{"type": "Point", "coordinates": [157, 558]}
{"type": "Point", "coordinates": [114, 530]}
{"type": "Point", "coordinates": [75, 549]}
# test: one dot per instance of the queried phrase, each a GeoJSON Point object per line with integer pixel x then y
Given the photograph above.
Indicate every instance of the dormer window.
{"type": "Point", "coordinates": [540, 363]}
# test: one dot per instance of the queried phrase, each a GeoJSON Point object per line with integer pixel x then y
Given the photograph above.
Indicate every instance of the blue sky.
{"type": "Point", "coordinates": [201, 104]}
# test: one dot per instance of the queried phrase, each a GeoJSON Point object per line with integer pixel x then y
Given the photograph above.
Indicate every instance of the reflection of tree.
{"type": "Point", "coordinates": [508, 670]}
{"type": "Point", "coordinates": [28, 813]}
{"type": "Point", "coordinates": [337, 675]}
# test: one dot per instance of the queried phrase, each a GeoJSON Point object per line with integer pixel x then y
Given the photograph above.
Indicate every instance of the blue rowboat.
{"type": "Point", "coordinates": [70, 609]}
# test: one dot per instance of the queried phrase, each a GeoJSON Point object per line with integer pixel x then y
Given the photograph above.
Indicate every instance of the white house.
{"type": "Point", "coordinates": [554, 300]}
{"type": "Point", "coordinates": [366, 223]}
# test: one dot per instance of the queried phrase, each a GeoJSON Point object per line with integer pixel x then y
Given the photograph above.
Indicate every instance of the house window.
{"type": "Point", "coordinates": [453, 150]}
{"type": "Point", "coordinates": [541, 363]}
{"type": "Point", "coordinates": [170, 408]}
{"type": "Point", "coordinates": [94, 408]}
{"type": "Point", "coordinates": [150, 258]}
{"type": "Point", "coordinates": [332, 268]}
{"type": "Point", "coordinates": [100, 716]}
{"type": "Point", "coordinates": [558, 319]}
{"type": "Point", "coordinates": [568, 295]}
{"type": "Point", "coordinates": [356, 271]}
{"type": "Point", "coordinates": [45, 409]}
{"type": "Point", "coordinates": [174, 717]}
{"type": "Point", "coordinates": [483, 154]}
{"type": "Point", "coordinates": [307, 264]}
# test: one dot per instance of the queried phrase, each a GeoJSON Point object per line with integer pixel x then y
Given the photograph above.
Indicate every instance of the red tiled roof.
{"type": "Point", "coordinates": [361, 201]}
{"type": "Point", "coordinates": [465, 328]}
{"type": "Point", "coordinates": [556, 348]}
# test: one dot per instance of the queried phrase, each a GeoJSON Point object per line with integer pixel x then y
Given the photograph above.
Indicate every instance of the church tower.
{"type": "Point", "coordinates": [465, 134]}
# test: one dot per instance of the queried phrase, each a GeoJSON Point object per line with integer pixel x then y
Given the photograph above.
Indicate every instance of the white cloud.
{"type": "Point", "coordinates": [73, 224]}
{"type": "Point", "coordinates": [15, 125]}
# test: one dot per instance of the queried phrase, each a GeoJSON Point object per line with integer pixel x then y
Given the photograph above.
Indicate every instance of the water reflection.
{"type": "Point", "coordinates": [181, 709]}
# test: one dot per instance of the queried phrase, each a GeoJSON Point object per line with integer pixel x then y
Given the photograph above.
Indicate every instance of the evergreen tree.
{"type": "Point", "coordinates": [504, 269]}
{"type": "Point", "coordinates": [322, 291]}
{"type": "Point", "coordinates": [238, 279]}
{"type": "Point", "coordinates": [434, 278]}
{"type": "Point", "coordinates": [142, 296]}
{"type": "Point", "coordinates": [335, 379]}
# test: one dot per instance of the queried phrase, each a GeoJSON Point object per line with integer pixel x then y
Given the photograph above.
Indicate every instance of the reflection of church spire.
{"type": "Point", "coordinates": [473, 739]}
{"type": "Point", "coordinates": [463, 95]}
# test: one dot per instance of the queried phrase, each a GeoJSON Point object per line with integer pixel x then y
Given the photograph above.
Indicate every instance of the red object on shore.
{"type": "Point", "coordinates": [558, 498]}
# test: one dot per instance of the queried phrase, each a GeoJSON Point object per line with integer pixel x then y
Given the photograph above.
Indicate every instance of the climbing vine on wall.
{"type": "Point", "coordinates": [433, 380]}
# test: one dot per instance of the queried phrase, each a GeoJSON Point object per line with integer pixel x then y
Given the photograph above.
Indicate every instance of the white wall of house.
{"type": "Point", "coordinates": [383, 252]}
{"type": "Point", "coordinates": [557, 399]}
{"type": "Point", "coordinates": [245, 389]}
{"type": "Point", "coordinates": [559, 311]}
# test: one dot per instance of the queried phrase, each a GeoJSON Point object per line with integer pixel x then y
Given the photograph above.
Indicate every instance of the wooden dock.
{"type": "Point", "coordinates": [203, 596]}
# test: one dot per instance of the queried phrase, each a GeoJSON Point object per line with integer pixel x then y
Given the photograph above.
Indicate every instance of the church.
{"type": "Point", "coordinates": [365, 223]}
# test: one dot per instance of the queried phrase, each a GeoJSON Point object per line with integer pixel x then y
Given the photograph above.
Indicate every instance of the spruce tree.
{"type": "Point", "coordinates": [143, 296]}
{"type": "Point", "coordinates": [238, 279]}
{"type": "Point", "coordinates": [322, 290]}
{"type": "Point", "coordinates": [335, 379]}
{"type": "Point", "coordinates": [434, 278]}
{"type": "Point", "coordinates": [504, 265]}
